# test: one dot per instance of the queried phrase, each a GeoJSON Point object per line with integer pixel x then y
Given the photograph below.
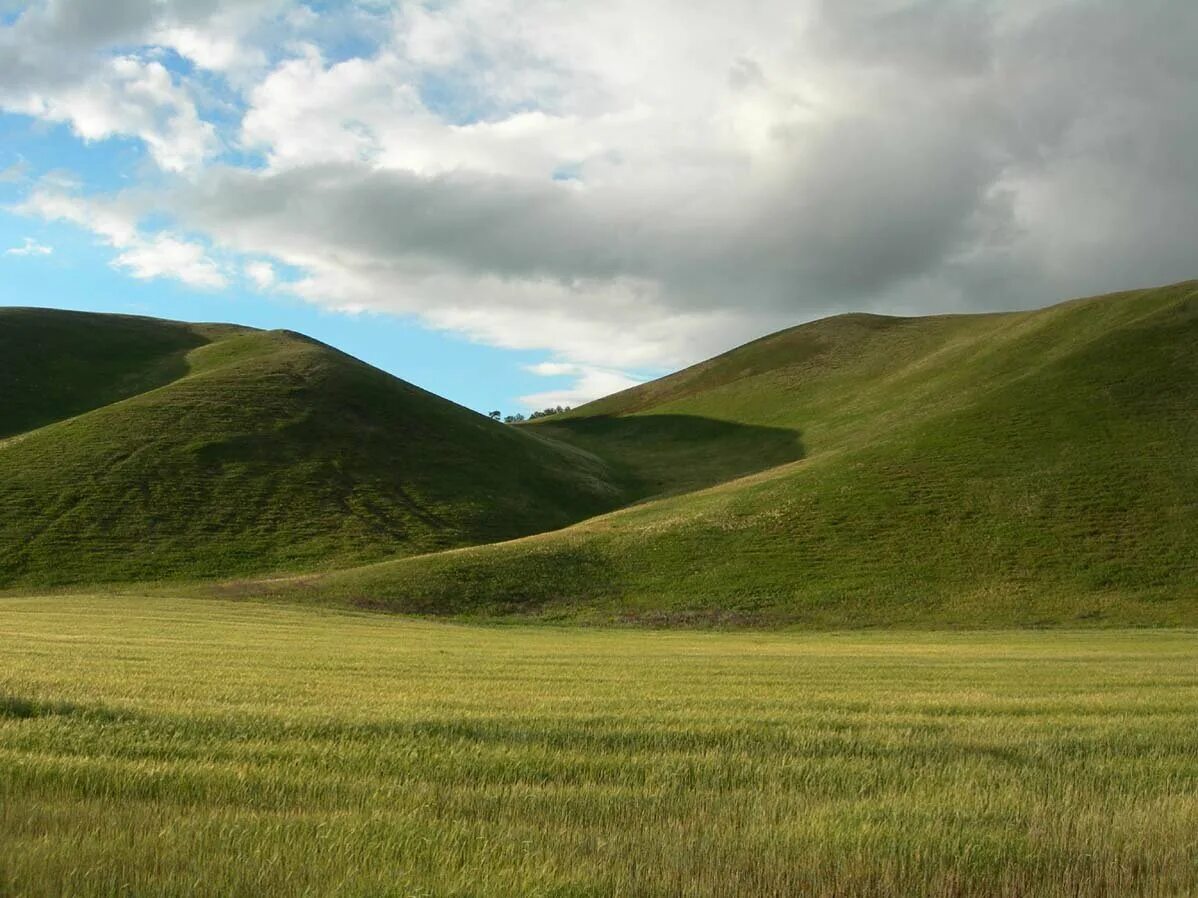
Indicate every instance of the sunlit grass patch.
{"type": "Point", "coordinates": [162, 747]}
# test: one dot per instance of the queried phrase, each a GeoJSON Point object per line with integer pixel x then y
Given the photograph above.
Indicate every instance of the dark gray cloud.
{"type": "Point", "coordinates": [54, 43]}
{"type": "Point", "coordinates": [733, 174]}
{"type": "Point", "coordinates": [931, 39]}
{"type": "Point", "coordinates": [59, 42]}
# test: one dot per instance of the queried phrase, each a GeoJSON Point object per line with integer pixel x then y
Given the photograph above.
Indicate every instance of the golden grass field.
{"type": "Point", "coordinates": [162, 747]}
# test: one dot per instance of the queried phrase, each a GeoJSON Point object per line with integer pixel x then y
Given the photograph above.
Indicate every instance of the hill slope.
{"type": "Point", "coordinates": [132, 448]}
{"type": "Point", "coordinates": [1021, 468]}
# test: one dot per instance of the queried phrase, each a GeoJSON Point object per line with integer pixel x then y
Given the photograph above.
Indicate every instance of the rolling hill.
{"type": "Point", "coordinates": [976, 470]}
{"type": "Point", "coordinates": [138, 449]}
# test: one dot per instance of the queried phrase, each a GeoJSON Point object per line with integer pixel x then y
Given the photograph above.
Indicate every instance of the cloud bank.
{"type": "Point", "coordinates": [631, 185]}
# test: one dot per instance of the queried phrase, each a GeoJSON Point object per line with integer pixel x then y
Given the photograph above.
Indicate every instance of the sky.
{"type": "Point", "coordinates": [522, 203]}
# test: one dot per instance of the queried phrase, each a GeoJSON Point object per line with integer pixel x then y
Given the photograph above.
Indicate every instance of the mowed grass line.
{"type": "Point", "coordinates": [164, 747]}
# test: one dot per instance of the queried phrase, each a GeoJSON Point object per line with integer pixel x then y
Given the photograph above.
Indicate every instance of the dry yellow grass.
{"type": "Point", "coordinates": [160, 747]}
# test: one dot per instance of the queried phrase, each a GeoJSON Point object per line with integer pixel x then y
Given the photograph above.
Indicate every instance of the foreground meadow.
{"type": "Point", "coordinates": [156, 747]}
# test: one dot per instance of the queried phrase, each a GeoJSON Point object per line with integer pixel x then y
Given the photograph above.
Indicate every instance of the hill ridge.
{"type": "Point", "coordinates": [995, 469]}
{"type": "Point", "coordinates": [1023, 468]}
{"type": "Point", "coordinates": [256, 451]}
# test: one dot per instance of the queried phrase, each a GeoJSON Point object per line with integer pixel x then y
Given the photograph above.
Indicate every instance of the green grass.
{"type": "Point", "coordinates": [990, 470]}
{"type": "Point", "coordinates": [1022, 469]}
{"type": "Point", "coordinates": [56, 364]}
{"type": "Point", "coordinates": [160, 747]}
{"type": "Point", "coordinates": [139, 449]}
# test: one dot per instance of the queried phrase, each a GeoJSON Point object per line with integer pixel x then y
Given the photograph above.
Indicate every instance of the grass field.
{"type": "Point", "coordinates": [159, 747]}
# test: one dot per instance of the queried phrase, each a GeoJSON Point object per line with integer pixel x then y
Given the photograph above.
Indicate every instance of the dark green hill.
{"type": "Point", "coordinates": [57, 364]}
{"type": "Point", "coordinates": [142, 449]}
{"type": "Point", "coordinates": [1012, 469]}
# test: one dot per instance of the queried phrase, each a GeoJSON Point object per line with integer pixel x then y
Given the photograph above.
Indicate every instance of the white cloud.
{"type": "Point", "coordinates": [30, 247]}
{"type": "Point", "coordinates": [305, 112]}
{"type": "Point", "coordinates": [552, 369]}
{"type": "Point", "coordinates": [217, 50]}
{"type": "Point", "coordinates": [589, 383]}
{"type": "Point", "coordinates": [165, 256]}
{"type": "Point", "coordinates": [261, 273]}
{"type": "Point", "coordinates": [92, 66]}
{"type": "Point", "coordinates": [114, 222]}
{"type": "Point", "coordinates": [128, 97]}
{"type": "Point", "coordinates": [143, 256]}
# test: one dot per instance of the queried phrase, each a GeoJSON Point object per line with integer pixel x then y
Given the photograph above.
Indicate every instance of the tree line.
{"type": "Point", "coordinates": [532, 416]}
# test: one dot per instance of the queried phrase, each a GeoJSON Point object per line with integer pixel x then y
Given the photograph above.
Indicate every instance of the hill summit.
{"type": "Point", "coordinates": [134, 449]}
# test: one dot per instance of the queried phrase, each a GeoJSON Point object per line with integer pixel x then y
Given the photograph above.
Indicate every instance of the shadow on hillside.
{"type": "Point", "coordinates": [667, 454]}
{"type": "Point", "coordinates": [56, 363]}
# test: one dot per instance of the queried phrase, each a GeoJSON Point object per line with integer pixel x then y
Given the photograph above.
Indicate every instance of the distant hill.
{"type": "Point", "coordinates": [139, 449]}
{"type": "Point", "coordinates": [1007, 469]}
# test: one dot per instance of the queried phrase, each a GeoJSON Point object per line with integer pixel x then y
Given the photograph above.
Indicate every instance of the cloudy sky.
{"type": "Point", "coordinates": [527, 202]}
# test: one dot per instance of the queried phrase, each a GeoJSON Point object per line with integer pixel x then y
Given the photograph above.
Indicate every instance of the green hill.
{"type": "Point", "coordinates": [134, 449]}
{"type": "Point", "coordinates": [1022, 468]}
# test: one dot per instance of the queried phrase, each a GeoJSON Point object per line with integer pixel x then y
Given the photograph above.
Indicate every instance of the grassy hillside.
{"type": "Point", "coordinates": [174, 450]}
{"type": "Point", "coordinates": [1021, 468]}
{"type": "Point", "coordinates": [57, 364]}
{"type": "Point", "coordinates": [221, 750]}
